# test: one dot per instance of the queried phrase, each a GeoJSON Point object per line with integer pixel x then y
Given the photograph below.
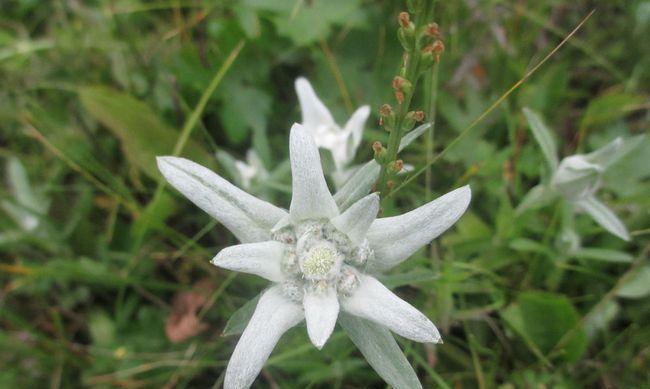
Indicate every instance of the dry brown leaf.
{"type": "Point", "coordinates": [183, 322]}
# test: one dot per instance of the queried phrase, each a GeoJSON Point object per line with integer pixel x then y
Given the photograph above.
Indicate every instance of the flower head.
{"type": "Point", "coordinates": [578, 177]}
{"type": "Point", "coordinates": [317, 119]}
{"type": "Point", "coordinates": [246, 173]}
{"type": "Point", "coordinates": [317, 255]}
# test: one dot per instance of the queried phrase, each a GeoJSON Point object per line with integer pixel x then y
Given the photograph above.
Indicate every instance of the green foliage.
{"type": "Point", "coordinates": [93, 251]}
{"type": "Point", "coordinates": [545, 321]}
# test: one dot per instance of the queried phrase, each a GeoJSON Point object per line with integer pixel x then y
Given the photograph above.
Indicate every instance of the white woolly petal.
{"type": "Point", "coordinates": [604, 216]}
{"type": "Point", "coordinates": [311, 198]}
{"type": "Point", "coordinates": [248, 217]}
{"type": "Point", "coordinates": [606, 155]}
{"type": "Point", "coordinates": [314, 112]}
{"type": "Point", "coordinates": [274, 315]}
{"type": "Point", "coordinates": [394, 239]}
{"type": "Point", "coordinates": [263, 259]}
{"type": "Point", "coordinates": [356, 220]}
{"type": "Point", "coordinates": [321, 312]}
{"type": "Point", "coordinates": [354, 127]}
{"type": "Point", "coordinates": [373, 301]}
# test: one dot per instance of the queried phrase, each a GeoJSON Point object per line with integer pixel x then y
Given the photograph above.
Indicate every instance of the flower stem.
{"type": "Point", "coordinates": [410, 73]}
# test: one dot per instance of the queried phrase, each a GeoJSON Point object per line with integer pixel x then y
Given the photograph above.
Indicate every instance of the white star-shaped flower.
{"type": "Point", "coordinates": [317, 119]}
{"type": "Point", "coordinates": [319, 258]}
{"type": "Point", "coordinates": [578, 177]}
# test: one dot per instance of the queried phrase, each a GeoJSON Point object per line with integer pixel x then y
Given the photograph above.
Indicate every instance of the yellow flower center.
{"type": "Point", "coordinates": [319, 262]}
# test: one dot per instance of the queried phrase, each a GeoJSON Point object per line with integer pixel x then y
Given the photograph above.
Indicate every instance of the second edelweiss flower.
{"type": "Point", "coordinates": [317, 255]}
{"type": "Point", "coordinates": [341, 142]}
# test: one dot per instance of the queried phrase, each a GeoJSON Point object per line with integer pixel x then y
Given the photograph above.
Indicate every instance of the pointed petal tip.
{"type": "Point", "coordinates": [318, 339]}
{"type": "Point", "coordinates": [364, 110]}
{"type": "Point", "coordinates": [319, 343]}
{"type": "Point", "coordinates": [304, 88]}
{"type": "Point", "coordinates": [297, 127]}
{"type": "Point", "coordinates": [221, 259]}
{"type": "Point", "coordinates": [464, 194]}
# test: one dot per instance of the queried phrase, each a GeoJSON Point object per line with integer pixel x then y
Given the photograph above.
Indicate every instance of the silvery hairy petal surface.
{"type": "Point", "coordinates": [317, 256]}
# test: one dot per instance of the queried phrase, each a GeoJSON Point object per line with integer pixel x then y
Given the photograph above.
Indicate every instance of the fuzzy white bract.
{"type": "Point", "coordinates": [341, 142]}
{"type": "Point", "coordinates": [319, 257]}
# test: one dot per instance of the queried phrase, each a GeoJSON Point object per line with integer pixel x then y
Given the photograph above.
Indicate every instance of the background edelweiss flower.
{"type": "Point", "coordinates": [578, 177]}
{"type": "Point", "coordinates": [317, 119]}
{"type": "Point", "coordinates": [245, 173]}
{"type": "Point", "coordinates": [319, 256]}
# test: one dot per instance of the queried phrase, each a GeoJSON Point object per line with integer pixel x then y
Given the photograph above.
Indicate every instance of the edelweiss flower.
{"type": "Point", "coordinates": [577, 178]}
{"type": "Point", "coordinates": [317, 119]}
{"type": "Point", "coordinates": [319, 257]}
{"type": "Point", "coordinates": [246, 172]}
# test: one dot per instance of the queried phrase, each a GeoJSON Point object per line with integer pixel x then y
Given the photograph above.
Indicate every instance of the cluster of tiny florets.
{"type": "Point", "coordinates": [319, 256]}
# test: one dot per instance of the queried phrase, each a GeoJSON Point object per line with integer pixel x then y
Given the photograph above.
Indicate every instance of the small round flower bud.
{"type": "Point", "coordinates": [406, 31]}
{"type": "Point", "coordinates": [432, 30]}
{"type": "Point", "coordinates": [390, 185]}
{"type": "Point", "coordinates": [404, 19]}
{"type": "Point", "coordinates": [385, 110]}
{"type": "Point", "coordinates": [387, 117]}
{"type": "Point", "coordinates": [401, 84]}
{"type": "Point", "coordinates": [380, 152]}
{"type": "Point", "coordinates": [398, 165]}
{"type": "Point", "coordinates": [438, 48]}
{"type": "Point", "coordinates": [293, 290]}
{"type": "Point", "coordinates": [290, 262]}
{"type": "Point", "coordinates": [377, 147]}
{"type": "Point", "coordinates": [362, 254]}
{"type": "Point", "coordinates": [412, 117]}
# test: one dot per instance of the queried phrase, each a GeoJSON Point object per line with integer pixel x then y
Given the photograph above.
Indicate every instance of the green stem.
{"type": "Point", "coordinates": [431, 100]}
{"type": "Point", "coordinates": [412, 74]}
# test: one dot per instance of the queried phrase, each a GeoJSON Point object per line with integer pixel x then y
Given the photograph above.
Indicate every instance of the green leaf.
{"type": "Point", "coordinates": [543, 136]}
{"type": "Point", "coordinates": [539, 196]}
{"type": "Point", "coordinates": [239, 320]}
{"type": "Point", "coordinates": [381, 351]}
{"type": "Point", "coordinates": [637, 286]}
{"type": "Point", "coordinates": [245, 108]}
{"type": "Point", "coordinates": [306, 22]}
{"type": "Point", "coordinates": [154, 215]}
{"type": "Point", "coordinates": [531, 246]}
{"type": "Point", "coordinates": [358, 185]}
{"type": "Point", "coordinates": [542, 319]}
{"type": "Point", "coordinates": [248, 21]}
{"type": "Point", "coordinates": [605, 255]}
{"type": "Point", "coordinates": [141, 132]}
{"type": "Point", "coordinates": [409, 278]}
{"type": "Point", "coordinates": [607, 108]}
{"type": "Point", "coordinates": [412, 136]}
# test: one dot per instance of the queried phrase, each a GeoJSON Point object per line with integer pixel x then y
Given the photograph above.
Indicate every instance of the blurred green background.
{"type": "Point", "coordinates": [105, 283]}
